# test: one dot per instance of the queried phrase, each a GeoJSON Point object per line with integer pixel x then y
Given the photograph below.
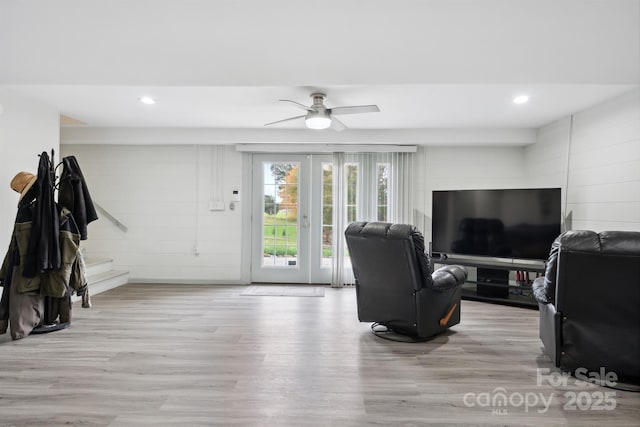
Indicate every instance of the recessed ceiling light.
{"type": "Point", "coordinates": [521, 99]}
{"type": "Point", "coordinates": [147, 100]}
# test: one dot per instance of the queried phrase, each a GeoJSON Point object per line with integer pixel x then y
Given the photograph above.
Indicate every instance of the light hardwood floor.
{"type": "Point", "coordinates": [205, 355]}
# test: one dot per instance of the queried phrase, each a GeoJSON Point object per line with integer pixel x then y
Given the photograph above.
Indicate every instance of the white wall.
{"type": "Point", "coordinates": [603, 168]}
{"type": "Point", "coordinates": [546, 160]}
{"type": "Point", "coordinates": [460, 168]}
{"type": "Point", "coordinates": [152, 190]}
{"type": "Point", "coordinates": [162, 194]}
{"type": "Point", "coordinates": [27, 128]}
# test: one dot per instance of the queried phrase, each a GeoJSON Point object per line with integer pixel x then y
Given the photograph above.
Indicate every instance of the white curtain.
{"type": "Point", "coordinates": [339, 219]}
{"type": "Point", "coordinates": [367, 187]}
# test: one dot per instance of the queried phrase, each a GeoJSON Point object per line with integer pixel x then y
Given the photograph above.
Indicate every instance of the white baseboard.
{"type": "Point", "coordinates": [187, 282]}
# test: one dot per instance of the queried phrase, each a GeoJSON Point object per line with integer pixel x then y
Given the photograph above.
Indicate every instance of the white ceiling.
{"type": "Point", "coordinates": [224, 64]}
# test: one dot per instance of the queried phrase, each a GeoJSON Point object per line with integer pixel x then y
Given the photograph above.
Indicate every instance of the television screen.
{"type": "Point", "coordinates": [518, 223]}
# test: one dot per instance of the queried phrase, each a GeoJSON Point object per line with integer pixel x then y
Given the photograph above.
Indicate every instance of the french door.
{"type": "Point", "coordinates": [292, 218]}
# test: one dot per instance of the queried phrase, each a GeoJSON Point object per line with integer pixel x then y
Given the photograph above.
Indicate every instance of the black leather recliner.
{"type": "Point", "coordinates": [394, 284]}
{"type": "Point", "coordinates": [589, 303]}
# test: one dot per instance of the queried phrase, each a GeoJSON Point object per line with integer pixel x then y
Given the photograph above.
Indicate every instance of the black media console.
{"type": "Point", "coordinates": [492, 282]}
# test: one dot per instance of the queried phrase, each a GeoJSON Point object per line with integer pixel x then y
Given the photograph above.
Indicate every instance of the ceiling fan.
{"type": "Point", "coordinates": [320, 117]}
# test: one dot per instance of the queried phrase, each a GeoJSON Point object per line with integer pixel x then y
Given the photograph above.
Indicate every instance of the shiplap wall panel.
{"type": "Point", "coordinates": [596, 225]}
{"type": "Point", "coordinates": [603, 193]}
{"type": "Point", "coordinates": [152, 190]}
{"type": "Point", "coordinates": [610, 123]}
{"type": "Point", "coordinates": [609, 173]}
{"type": "Point", "coordinates": [603, 190]}
{"type": "Point", "coordinates": [604, 177]}
{"type": "Point", "coordinates": [605, 212]}
{"type": "Point", "coordinates": [605, 154]}
{"type": "Point", "coordinates": [546, 160]}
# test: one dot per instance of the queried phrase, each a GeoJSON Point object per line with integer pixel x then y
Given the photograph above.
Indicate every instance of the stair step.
{"type": "Point", "coordinates": [98, 265]}
{"type": "Point", "coordinates": [102, 282]}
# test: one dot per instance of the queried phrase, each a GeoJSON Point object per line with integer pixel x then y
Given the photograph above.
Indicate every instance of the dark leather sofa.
{"type": "Point", "coordinates": [394, 283]}
{"type": "Point", "coordinates": [589, 301]}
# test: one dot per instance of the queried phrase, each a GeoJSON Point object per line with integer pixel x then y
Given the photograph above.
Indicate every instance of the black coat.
{"type": "Point", "coordinates": [43, 252]}
{"type": "Point", "coordinates": [74, 195]}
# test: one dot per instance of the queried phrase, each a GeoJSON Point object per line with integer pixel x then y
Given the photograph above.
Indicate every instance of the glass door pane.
{"type": "Point", "coordinates": [351, 181]}
{"type": "Point", "coordinates": [382, 190]}
{"type": "Point", "coordinates": [327, 215]}
{"type": "Point", "coordinates": [321, 238]}
{"type": "Point", "coordinates": [292, 218]}
{"type": "Point", "coordinates": [280, 214]}
{"type": "Point", "coordinates": [280, 251]}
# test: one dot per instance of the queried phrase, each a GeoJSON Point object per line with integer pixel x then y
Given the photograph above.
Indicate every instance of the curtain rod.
{"type": "Point", "coordinates": [326, 148]}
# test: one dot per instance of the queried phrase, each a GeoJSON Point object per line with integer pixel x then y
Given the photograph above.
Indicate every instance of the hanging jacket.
{"type": "Point", "coordinates": [24, 297]}
{"type": "Point", "coordinates": [12, 259]}
{"type": "Point", "coordinates": [52, 283]}
{"type": "Point", "coordinates": [22, 311]}
{"type": "Point", "coordinates": [43, 252]}
{"type": "Point", "coordinates": [74, 195]}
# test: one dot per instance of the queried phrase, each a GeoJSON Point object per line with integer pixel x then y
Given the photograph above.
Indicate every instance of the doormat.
{"type": "Point", "coordinates": [284, 291]}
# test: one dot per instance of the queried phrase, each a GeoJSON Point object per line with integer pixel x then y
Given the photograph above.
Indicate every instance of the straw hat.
{"type": "Point", "coordinates": [22, 183]}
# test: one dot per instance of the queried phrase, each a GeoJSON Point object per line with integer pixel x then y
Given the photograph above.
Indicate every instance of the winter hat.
{"type": "Point", "coordinates": [22, 183]}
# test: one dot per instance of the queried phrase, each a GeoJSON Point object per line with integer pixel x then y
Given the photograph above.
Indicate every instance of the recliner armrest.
{"type": "Point", "coordinates": [541, 290]}
{"type": "Point", "coordinates": [449, 277]}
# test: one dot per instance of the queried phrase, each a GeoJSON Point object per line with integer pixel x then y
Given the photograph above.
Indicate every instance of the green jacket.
{"type": "Point", "coordinates": [53, 283]}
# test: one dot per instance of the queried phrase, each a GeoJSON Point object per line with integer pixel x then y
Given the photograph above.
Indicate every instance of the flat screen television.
{"type": "Point", "coordinates": [510, 223]}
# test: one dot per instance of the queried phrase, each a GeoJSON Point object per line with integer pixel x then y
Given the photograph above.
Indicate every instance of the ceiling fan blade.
{"type": "Point", "coordinates": [285, 120]}
{"type": "Point", "coordinates": [337, 125]}
{"type": "Point", "coordinates": [297, 104]}
{"type": "Point", "coordinates": [354, 109]}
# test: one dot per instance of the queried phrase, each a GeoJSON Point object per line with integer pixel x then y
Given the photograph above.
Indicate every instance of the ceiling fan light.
{"type": "Point", "coordinates": [147, 100]}
{"type": "Point", "coordinates": [521, 99]}
{"type": "Point", "coordinates": [317, 120]}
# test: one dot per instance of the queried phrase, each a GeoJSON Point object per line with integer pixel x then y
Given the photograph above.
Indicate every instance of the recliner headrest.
{"type": "Point", "coordinates": [580, 240]}
{"type": "Point", "coordinates": [606, 242]}
{"type": "Point", "coordinates": [391, 231]}
{"type": "Point", "coordinates": [380, 229]}
{"type": "Point", "coordinates": [620, 242]}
